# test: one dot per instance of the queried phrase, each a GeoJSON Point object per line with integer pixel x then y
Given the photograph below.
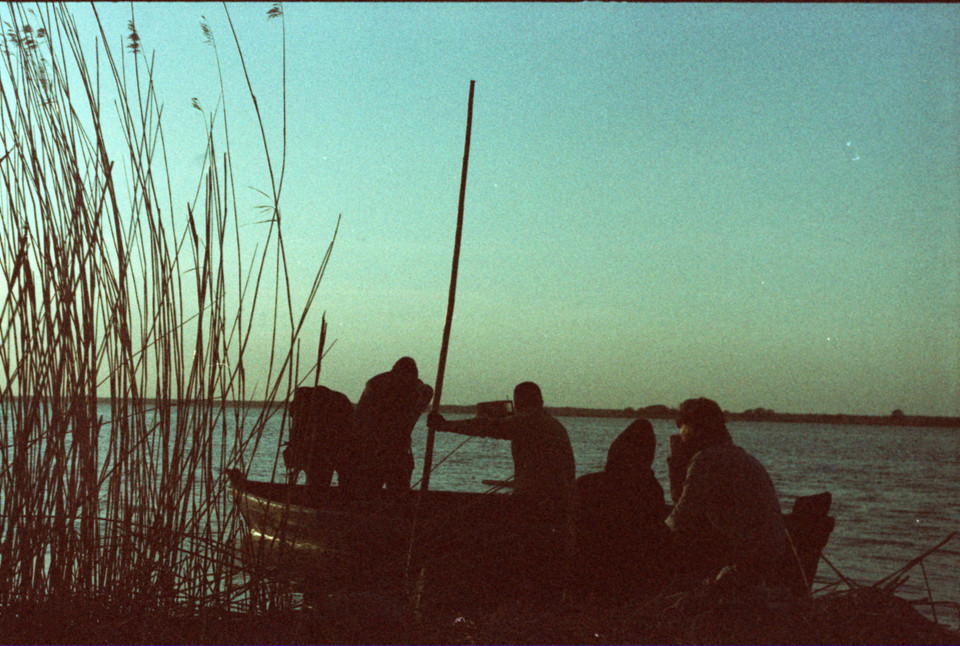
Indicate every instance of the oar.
{"type": "Point", "coordinates": [428, 453]}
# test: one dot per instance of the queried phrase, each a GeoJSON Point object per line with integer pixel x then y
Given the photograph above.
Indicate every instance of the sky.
{"type": "Point", "coordinates": [754, 203]}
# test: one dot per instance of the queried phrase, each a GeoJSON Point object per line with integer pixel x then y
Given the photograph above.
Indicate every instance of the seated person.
{"type": "Point", "coordinates": [727, 511]}
{"type": "Point", "coordinates": [543, 463]}
{"type": "Point", "coordinates": [544, 481]}
{"type": "Point", "coordinates": [620, 530]}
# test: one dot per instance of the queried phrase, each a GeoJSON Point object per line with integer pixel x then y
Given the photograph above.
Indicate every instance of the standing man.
{"type": "Point", "coordinates": [388, 409]}
{"type": "Point", "coordinates": [727, 511]}
{"type": "Point", "coordinates": [544, 481]}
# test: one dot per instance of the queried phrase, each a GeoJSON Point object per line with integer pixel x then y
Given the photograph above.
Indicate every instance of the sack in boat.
{"type": "Point", "coordinates": [321, 428]}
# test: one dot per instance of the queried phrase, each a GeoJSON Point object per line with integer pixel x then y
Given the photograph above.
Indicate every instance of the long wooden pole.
{"type": "Point", "coordinates": [428, 454]}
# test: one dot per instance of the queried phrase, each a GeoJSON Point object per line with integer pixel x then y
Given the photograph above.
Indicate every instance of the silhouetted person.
{"type": "Point", "coordinates": [388, 409]}
{"type": "Point", "coordinates": [620, 530]}
{"type": "Point", "coordinates": [323, 438]}
{"type": "Point", "coordinates": [544, 482]}
{"type": "Point", "coordinates": [726, 511]}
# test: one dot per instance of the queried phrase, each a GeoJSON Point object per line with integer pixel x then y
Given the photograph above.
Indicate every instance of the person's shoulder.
{"type": "Point", "coordinates": [726, 455]}
{"type": "Point", "coordinates": [550, 419]}
{"type": "Point", "coordinates": [382, 378]}
{"type": "Point", "coordinates": [711, 456]}
{"type": "Point", "coordinates": [749, 458]}
{"type": "Point", "coordinates": [424, 388]}
{"type": "Point", "coordinates": [339, 398]}
{"type": "Point", "coordinates": [591, 479]}
{"type": "Point", "coordinates": [550, 425]}
{"type": "Point", "coordinates": [732, 451]}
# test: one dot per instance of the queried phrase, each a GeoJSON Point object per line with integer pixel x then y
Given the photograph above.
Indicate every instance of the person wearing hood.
{"type": "Point", "coordinates": [620, 518]}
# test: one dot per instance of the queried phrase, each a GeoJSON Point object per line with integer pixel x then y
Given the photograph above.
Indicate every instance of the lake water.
{"type": "Point", "coordinates": [895, 489]}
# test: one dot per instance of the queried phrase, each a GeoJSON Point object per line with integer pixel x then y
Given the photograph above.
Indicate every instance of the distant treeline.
{"type": "Point", "coordinates": [896, 418]}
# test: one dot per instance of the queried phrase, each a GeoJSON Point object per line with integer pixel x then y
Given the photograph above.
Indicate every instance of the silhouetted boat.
{"type": "Point", "coordinates": [321, 537]}
{"type": "Point", "coordinates": [297, 534]}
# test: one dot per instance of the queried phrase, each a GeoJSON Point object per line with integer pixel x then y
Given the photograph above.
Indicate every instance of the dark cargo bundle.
{"type": "Point", "coordinates": [323, 436]}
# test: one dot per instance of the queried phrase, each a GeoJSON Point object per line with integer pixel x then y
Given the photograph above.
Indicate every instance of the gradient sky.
{"type": "Point", "coordinates": [754, 203]}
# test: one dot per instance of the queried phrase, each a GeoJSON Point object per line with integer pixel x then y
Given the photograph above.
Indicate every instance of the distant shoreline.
{"type": "Point", "coordinates": [759, 415]}
{"type": "Point", "coordinates": [664, 412]}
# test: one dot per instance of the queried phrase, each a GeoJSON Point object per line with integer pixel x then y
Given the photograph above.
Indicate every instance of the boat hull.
{"type": "Point", "coordinates": [325, 539]}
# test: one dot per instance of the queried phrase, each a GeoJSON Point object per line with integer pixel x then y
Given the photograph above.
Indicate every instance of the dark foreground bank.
{"type": "Point", "coordinates": [708, 613]}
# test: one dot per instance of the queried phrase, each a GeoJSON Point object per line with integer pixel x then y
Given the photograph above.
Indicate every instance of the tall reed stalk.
{"type": "Point", "coordinates": [111, 287]}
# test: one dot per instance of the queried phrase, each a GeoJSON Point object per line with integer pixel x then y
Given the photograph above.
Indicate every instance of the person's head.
{"type": "Point", "coordinates": [527, 396]}
{"type": "Point", "coordinates": [407, 367]}
{"type": "Point", "coordinates": [633, 449]}
{"type": "Point", "coordinates": [701, 421]}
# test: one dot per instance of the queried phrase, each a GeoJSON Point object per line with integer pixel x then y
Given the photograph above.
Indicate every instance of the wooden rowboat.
{"type": "Point", "coordinates": [300, 535]}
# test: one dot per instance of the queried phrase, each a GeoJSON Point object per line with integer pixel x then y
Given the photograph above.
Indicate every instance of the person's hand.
{"type": "Point", "coordinates": [435, 421]}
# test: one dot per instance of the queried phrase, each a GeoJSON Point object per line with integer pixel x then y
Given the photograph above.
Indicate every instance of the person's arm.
{"type": "Point", "coordinates": [424, 395]}
{"type": "Point", "coordinates": [677, 463]}
{"type": "Point", "coordinates": [475, 426]}
{"type": "Point", "coordinates": [688, 514]}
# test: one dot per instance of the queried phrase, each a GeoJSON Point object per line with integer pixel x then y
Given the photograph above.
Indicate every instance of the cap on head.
{"type": "Point", "coordinates": [406, 366]}
{"type": "Point", "coordinates": [704, 413]}
{"type": "Point", "coordinates": [527, 395]}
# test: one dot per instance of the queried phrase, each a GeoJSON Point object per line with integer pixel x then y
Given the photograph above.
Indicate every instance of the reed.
{"type": "Point", "coordinates": [114, 287]}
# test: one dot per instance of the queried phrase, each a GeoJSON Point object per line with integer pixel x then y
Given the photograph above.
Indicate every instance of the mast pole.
{"type": "Point", "coordinates": [428, 454]}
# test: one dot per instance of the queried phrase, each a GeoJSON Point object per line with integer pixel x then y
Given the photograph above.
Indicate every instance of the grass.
{"type": "Point", "coordinates": [112, 286]}
{"type": "Point", "coordinates": [700, 614]}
